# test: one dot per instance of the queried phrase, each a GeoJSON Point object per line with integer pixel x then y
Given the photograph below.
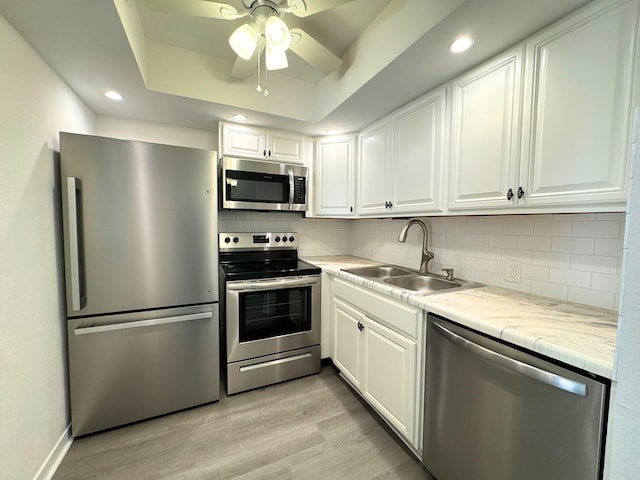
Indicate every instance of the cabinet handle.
{"type": "Point", "coordinates": [520, 192]}
{"type": "Point", "coordinates": [264, 153]}
{"type": "Point", "coordinates": [386, 204]}
{"type": "Point", "coordinates": [351, 209]}
{"type": "Point", "coordinates": [510, 194]}
{"type": "Point", "coordinates": [360, 326]}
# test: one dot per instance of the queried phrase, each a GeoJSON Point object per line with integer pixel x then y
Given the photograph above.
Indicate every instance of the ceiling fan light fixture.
{"type": "Point", "coordinates": [244, 40]}
{"type": "Point", "coordinates": [276, 60]}
{"type": "Point", "coordinates": [277, 34]}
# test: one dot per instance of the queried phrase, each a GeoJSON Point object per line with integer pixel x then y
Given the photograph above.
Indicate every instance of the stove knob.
{"type": "Point", "coordinates": [236, 239]}
{"type": "Point", "coordinates": [277, 239]}
{"type": "Point", "coordinates": [291, 238]}
{"type": "Point", "coordinates": [227, 240]}
{"type": "Point", "coordinates": [284, 239]}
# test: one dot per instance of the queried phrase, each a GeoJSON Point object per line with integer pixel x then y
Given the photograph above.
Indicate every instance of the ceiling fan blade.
{"type": "Point", "coordinates": [313, 52]}
{"type": "Point", "coordinates": [196, 8]}
{"type": "Point", "coordinates": [304, 8]}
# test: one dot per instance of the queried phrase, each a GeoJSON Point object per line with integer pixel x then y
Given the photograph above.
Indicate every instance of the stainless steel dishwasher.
{"type": "Point", "coordinates": [493, 412]}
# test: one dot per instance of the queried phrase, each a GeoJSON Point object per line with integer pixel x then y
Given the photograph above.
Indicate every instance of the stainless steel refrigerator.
{"type": "Point", "coordinates": [140, 244]}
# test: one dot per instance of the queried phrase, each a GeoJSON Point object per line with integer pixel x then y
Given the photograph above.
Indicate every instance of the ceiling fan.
{"type": "Point", "coordinates": [263, 29]}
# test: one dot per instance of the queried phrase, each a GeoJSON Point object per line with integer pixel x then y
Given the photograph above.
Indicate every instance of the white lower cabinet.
{"type": "Point", "coordinates": [378, 349]}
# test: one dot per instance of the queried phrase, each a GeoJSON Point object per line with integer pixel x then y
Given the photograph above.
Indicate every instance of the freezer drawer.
{"type": "Point", "coordinates": [125, 368]}
{"type": "Point", "coordinates": [493, 412]}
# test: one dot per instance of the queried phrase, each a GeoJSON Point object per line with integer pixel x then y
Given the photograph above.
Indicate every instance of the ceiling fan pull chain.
{"type": "Point", "coordinates": [259, 87]}
{"type": "Point", "coordinates": [266, 79]}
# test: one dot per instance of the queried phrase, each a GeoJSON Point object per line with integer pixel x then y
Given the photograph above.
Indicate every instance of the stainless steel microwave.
{"type": "Point", "coordinates": [261, 185]}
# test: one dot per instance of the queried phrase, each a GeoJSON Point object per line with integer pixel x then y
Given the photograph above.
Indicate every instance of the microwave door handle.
{"type": "Point", "coordinates": [291, 188]}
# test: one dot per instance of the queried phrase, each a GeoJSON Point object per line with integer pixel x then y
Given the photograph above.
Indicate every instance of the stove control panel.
{"type": "Point", "coordinates": [258, 241]}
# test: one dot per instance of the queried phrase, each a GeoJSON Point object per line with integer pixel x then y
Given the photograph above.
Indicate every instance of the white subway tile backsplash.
{"type": "Point", "coordinates": [518, 228]}
{"type": "Point", "coordinates": [552, 229]}
{"type": "Point", "coordinates": [575, 257]}
{"type": "Point", "coordinates": [594, 263]}
{"type": "Point", "coordinates": [570, 277]}
{"type": "Point", "coordinates": [592, 297]}
{"type": "Point", "coordinates": [548, 259]}
{"type": "Point", "coordinates": [572, 245]}
{"type": "Point", "coordinates": [534, 243]}
{"type": "Point", "coordinates": [610, 247]}
{"type": "Point", "coordinates": [597, 229]}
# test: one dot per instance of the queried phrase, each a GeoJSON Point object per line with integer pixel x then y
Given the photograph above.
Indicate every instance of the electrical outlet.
{"type": "Point", "coordinates": [513, 271]}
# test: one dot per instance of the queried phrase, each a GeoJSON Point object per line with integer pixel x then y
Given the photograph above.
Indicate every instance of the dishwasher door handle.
{"type": "Point", "coordinates": [535, 373]}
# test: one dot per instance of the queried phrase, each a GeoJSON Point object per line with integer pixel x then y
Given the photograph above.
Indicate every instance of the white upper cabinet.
{"type": "Point", "coordinates": [577, 93]}
{"type": "Point", "coordinates": [374, 148]}
{"type": "Point", "coordinates": [334, 176]}
{"type": "Point", "coordinates": [255, 142]}
{"type": "Point", "coordinates": [418, 151]}
{"type": "Point", "coordinates": [401, 160]}
{"type": "Point", "coordinates": [484, 135]}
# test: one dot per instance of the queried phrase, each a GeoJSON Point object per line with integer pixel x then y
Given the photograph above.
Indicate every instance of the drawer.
{"type": "Point", "coordinates": [397, 315]}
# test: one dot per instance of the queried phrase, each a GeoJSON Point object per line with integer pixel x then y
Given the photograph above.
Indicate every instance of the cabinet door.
{"type": "Point", "coordinates": [418, 154]}
{"type": "Point", "coordinates": [347, 342]}
{"type": "Point", "coordinates": [578, 88]}
{"type": "Point", "coordinates": [334, 177]}
{"type": "Point", "coordinates": [285, 147]}
{"type": "Point", "coordinates": [373, 165]}
{"type": "Point", "coordinates": [243, 141]}
{"type": "Point", "coordinates": [484, 137]}
{"type": "Point", "coordinates": [389, 381]}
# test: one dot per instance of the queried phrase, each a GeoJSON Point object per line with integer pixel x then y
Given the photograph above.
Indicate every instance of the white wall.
{"type": "Point", "coordinates": [128, 129]}
{"type": "Point", "coordinates": [34, 106]}
{"type": "Point", "coordinates": [576, 257]}
{"type": "Point", "coordinates": [625, 430]}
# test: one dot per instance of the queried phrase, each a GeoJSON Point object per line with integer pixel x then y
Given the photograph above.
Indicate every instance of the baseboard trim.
{"type": "Point", "coordinates": [51, 464]}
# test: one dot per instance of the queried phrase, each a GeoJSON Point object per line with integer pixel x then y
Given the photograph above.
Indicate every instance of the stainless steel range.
{"type": "Point", "coordinates": [270, 310]}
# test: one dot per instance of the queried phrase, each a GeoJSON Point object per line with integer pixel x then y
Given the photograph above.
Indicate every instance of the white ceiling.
{"type": "Point", "coordinates": [392, 50]}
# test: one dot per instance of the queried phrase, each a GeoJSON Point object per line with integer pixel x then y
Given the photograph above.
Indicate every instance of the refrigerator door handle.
{"type": "Point", "coordinates": [530, 371]}
{"type": "Point", "coordinates": [142, 323]}
{"type": "Point", "coordinates": [74, 189]}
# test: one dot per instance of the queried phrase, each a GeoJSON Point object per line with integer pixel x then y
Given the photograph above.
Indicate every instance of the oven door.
{"type": "Point", "coordinates": [273, 315]}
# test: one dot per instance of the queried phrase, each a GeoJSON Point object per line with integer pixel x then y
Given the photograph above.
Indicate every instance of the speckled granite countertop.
{"type": "Point", "coordinates": [577, 335]}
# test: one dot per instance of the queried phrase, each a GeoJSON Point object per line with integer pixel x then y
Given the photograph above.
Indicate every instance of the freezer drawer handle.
{"type": "Point", "coordinates": [274, 362]}
{"type": "Point", "coordinates": [142, 323]}
{"type": "Point", "coordinates": [532, 372]}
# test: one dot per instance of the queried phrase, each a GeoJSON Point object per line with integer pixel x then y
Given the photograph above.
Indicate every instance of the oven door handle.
{"type": "Point", "coordinates": [272, 284]}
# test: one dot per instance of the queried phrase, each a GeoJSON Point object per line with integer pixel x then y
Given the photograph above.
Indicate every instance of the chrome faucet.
{"type": "Point", "coordinates": [427, 254]}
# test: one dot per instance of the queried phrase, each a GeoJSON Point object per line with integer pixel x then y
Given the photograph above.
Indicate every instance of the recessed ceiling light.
{"type": "Point", "coordinates": [113, 95]}
{"type": "Point", "coordinates": [330, 131]}
{"type": "Point", "coordinates": [240, 117]}
{"type": "Point", "coordinates": [461, 44]}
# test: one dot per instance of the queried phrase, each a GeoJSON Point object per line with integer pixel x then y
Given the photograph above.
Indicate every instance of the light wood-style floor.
{"type": "Point", "coordinates": [310, 428]}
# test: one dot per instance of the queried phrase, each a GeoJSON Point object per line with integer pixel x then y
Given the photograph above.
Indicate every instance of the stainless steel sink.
{"type": "Point", "coordinates": [422, 283]}
{"type": "Point", "coordinates": [411, 280]}
{"type": "Point", "coordinates": [380, 271]}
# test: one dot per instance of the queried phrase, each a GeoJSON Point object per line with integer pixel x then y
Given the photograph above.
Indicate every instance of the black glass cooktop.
{"type": "Point", "coordinates": [267, 269]}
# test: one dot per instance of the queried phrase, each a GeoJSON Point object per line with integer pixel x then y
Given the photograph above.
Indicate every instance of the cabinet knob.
{"type": "Point", "coordinates": [520, 192]}
{"type": "Point", "coordinates": [386, 204]}
{"type": "Point", "coordinates": [510, 194]}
